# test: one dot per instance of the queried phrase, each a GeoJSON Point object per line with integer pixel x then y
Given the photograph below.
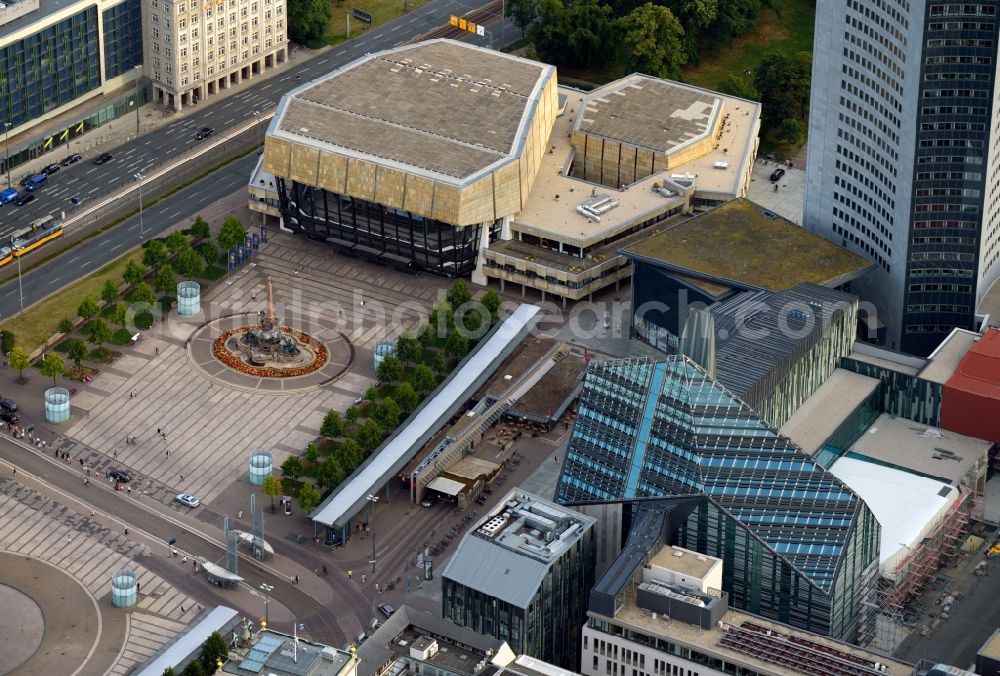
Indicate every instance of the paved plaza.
{"type": "Point", "coordinates": [213, 421]}
{"type": "Point", "coordinates": [62, 562]}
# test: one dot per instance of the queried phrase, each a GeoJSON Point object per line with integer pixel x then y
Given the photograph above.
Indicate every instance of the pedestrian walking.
{"type": "Point", "coordinates": [130, 490]}
{"type": "Point", "coordinates": [92, 512]}
{"type": "Point", "coordinates": [350, 573]}
{"type": "Point", "coordinates": [167, 452]}
{"type": "Point", "coordinates": [156, 352]}
{"type": "Point", "coordinates": [137, 586]}
{"type": "Point", "coordinates": [184, 560]}
{"type": "Point", "coordinates": [158, 431]}
{"type": "Point", "coordinates": [115, 454]}
{"type": "Point", "coordinates": [364, 578]}
{"type": "Point", "coordinates": [126, 532]}
{"type": "Point", "coordinates": [239, 514]}
{"type": "Point", "coordinates": [15, 472]}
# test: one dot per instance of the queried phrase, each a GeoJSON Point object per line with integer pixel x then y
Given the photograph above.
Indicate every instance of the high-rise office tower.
{"type": "Point", "coordinates": [903, 154]}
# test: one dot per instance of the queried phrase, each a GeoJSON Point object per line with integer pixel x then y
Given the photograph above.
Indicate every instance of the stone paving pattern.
{"type": "Point", "coordinates": [212, 428]}
{"type": "Point", "coordinates": [37, 531]}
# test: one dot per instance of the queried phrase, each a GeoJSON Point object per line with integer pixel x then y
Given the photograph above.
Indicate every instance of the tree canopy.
{"type": "Point", "coordinates": [155, 254]}
{"type": "Point", "coordinates": [133, 273]}
{"type": "Point", "coordinates": [200, 229]}
{"type": "Point", "coordinates": [308, 497]}
{"type": "Point", "coordinates": [88, 308]}
{"type": "Point", "coordinates": [653, 41]}
{"type": "Point", "coordinates": [52, 367]}
{"type": "Point", "coordinates": [783, 82]}
{"type": "Point", "coordinates": [232, 233]}
{"type": "Point", "coordinates": [308, 19]}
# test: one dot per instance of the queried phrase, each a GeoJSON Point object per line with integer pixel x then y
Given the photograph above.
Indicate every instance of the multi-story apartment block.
{"type": "Point", "coordinates": [194, 48]}
{"type": "Point", "coordinates": [903, 154]}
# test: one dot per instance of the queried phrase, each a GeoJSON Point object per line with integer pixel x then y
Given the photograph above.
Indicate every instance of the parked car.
{"type": "Point", "coordinates": [188, 500]}
{"type": "Point", "coordinates": [24, 199]}
{"type": "Point", "coordinates": [777, 174]}
{"type": "Point", "coordinates": [8, 196]}
{"type": "Point", "coordinates": [102, 158]}
{"type": "Point", "coordinates": [204, 133]}
{"type": "Point", "coordinates": [9, 417]}
{"type": "Point", "coordinates": [8, 405]}
{"type": "Point", "coordinates": [72, 159]}
{"type": "Point", "coordinates": [51, 169]}
{"type": "Point", "coordinates": [386, 609]}
{"type": "Point", "coordinates": [119, 475]}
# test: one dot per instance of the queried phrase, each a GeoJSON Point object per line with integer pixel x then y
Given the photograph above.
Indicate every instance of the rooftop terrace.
{"type": "Point", "coordinates": [740, 243]}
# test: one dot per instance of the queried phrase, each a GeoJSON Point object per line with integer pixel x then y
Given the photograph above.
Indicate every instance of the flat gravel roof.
{"type": "Point", "coordinates": [441, 106]}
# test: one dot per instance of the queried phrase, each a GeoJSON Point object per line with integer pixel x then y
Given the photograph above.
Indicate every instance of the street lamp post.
{"type": "Point", "coordinates": [372, 499]}
{"type": "Point", "coordinates": [138, 76]}
{"type": "Point", "coordinates": [140, 177]}
{"type": "Point", "coordinates": [6, 149]}
{"type": "Point", "coordinates": [267, 589]}
{"type": "Point", "coordinates": [20, 287]}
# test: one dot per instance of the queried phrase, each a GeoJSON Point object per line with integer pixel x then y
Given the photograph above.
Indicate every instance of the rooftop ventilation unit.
{"type": "Point", "coordinates": [598, 205]}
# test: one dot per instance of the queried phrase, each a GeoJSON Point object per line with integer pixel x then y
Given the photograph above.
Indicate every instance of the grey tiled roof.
{"type": "Point", "coordinates": [495, 571]}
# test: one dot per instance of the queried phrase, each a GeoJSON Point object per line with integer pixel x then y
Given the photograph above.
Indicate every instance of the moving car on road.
{"type": "Point", "coordinates": [119, 475]}
{"type": "Point", "coordinates": [72, 159]}
{"type": "Point", "coordinates": [188, 500]}
{"type": "Point", "coordinates": [35, 182]}
{"type": "Point", "coordinates": [51, 169]}
{"type": "Point", "coordinates": [8, 196]}
{"type": "Point", "coordinates": [102, 158]}
{"type": "Point", "coordinates": [24, 199]}
{"type": "Point", "coordinates": [204, 133]}
{"type": "Point", "coordinates": [386, 609]}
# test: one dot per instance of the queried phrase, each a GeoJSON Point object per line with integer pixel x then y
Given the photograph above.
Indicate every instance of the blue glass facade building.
{"type": "Point", "coordinates": [122, 37]}
{"type": "Point", "coordinates": [797, 545]}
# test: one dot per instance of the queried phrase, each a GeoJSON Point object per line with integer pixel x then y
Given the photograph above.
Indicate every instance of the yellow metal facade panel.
{"type": "Point", "coordinates": [609, 164]}
{"type": "Point", "coordinates": [592, 159]}
{"type": "Point", "coordinates": [579, 143]}
{"type": "Point", "coordinates": [446, 203]}
{"type": "Point", "coordinates": [361, 179]}
{"type": "Point", "coordinates": [390, 187]}
{"type": "Point", "coordinates": [643, 163]}
{"type": "Point", "coordinates": [305, 164]}
{"type": "Point", "coordinates": [659, 163]}
{"type": "Point", "coordinates": [276, 157]}
{"type": "Point", "coordinates": [626, 164]}
{"type": "Point", "coordinates": [333, 172]}
{"type": "Point", "coordinates": [507, 193]}
{"type": "Point", "coordinates": [476, 204]}
{"type": "Point", "coordinates": [419, 196]}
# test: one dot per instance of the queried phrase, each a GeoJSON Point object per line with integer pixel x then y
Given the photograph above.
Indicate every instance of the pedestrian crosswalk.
{"type": "Point", "coordinates": [90, 549]}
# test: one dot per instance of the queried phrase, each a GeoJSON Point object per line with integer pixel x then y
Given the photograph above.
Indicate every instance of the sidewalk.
{"type": "Point", "coordinates": [152, 116]}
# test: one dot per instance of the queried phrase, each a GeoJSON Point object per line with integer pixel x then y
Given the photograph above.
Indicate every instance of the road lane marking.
{"type": "Point", "coordinates": [71, 260]}
{"type": "Point", "coordinates": [117, 246]}
{"type": "Point", "coordinates": [53, 281]}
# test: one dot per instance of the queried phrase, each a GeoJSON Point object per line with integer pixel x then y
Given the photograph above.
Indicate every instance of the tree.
{"type": "Point", "coordinates": [189, 263]}
{"type": "Point", "coordinates": [332, 425]}
{"type": "Point", "coordinates": [350, 454]}
{"type": "Point", "coordinates": [741, 86]}
{"type": "Point", "coordinates": [695, 17]}
{"type": "Point", "coordinates": [387, 414]}
{"type": "Point", "coordinates": [577, 33]}
{"type": "Point", "coordinates": [7, 338]}
{"type": "Point", "coordinates": [119, 313]}
{"type": "Point", "coordinates": [791, 131]}
{"type": "Point", "coordinates": [441, 319]}
{"type": "Point", "coordinates": [653, 41]}
{"type": "Point", "coordinates": [312, 452]}
{"type": "Point", "coordinates": [209, 252]}
{"type": "Point", "coordinates": [133, 273]}
{"type": "Point", "coordinates": [423, 379]}
{"type": "Point", "coordinates": [99, 332]}
{"type": "Point", "coordinates": [368, 436]}
{"type": "Point", "coordinates": [176, 242]}
{"type": "Point", "coordinates": [109, 291]}
{"type": "Point", "coordinates": [459, 294]}
{"type": "Point", "coordinates": [143, 294]}
{"type": "Point", "coordinates": [18, 360]}
{"type": "Point", "coordinates": [87, 309]}
{"type": "Point", "coordinates": [352, 413]}
{"type": "Point", "coordinates": [200, 229]}
{"type": "Point", "coordinates": [232, 233]}
{"type": "Point", "coordinates": [783, 81]}
{"type": "Point", "coordinates": [213, 650]}
{"type": "Point", "coordinates": [436, 362]}
{"type": "Point", "coordinates": [272, 489]}
{"type": "Point", "coordinates": [166, 280]}
{"type": "Point", "coordinates": [425, 335]}
{"type": "Point", "coordinates": [169, 671]}
{"type": "Point", "coordinates": [292, 467]}
{"type": "Point", "coordinates": [491, 301]}
{"type": "Point", "coordinates": [52, 367]}
{"type": "Point", "coordinates": [65, 326]}
{"type": "Point", "coordinates": [308, 497]}
{"type": "Point", "coordinates": [457, 346]}
{"type": "Point", "coordinates": [733, 19]}
{"type": "Point", "coordinates": [329, 474]}
{"type": "Point", "coordinates": [194, 668]}
{"type": "Point", "coordinates": [522, 13]}
{"type": "Point", "coordinates": [390, 369]}
{"type": "Point", "coordinates": [308, 19]}
{"type": "Point", "coordinates": [371, 394]}
{"type": "Point", "coordinates": [407, 348]}
{"type": "Point", "coordinates": [407, 398]}
{"type": "Point", "coordinates": [155, 254]}
{"type": "Point", "coordinates": [76, 350]}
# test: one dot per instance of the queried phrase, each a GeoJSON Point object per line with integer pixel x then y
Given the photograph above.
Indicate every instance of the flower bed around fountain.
{"type": "Point", "coordinates": [221, 352]}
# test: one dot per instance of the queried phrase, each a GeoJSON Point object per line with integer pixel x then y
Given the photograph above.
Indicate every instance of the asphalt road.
{"type": "Point", "coordinates": [89, 182]}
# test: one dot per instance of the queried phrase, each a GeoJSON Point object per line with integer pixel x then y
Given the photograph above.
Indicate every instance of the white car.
{"type": "Point", "coordinates": [188, 500]}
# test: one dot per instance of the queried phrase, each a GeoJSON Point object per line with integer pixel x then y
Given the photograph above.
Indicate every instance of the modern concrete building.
{"type": "Point", "coordinates": [56, 55]}
{"type": "Point", "coordinates": [659, 611]}
{"type": "Point", "coordinates": [522, 575]}
{"type": "Point", "coordinates": [460, 160]}
{"type": "Point", "coordinates": [903, 158]}
{"type": "Point", "coordinates": [194, 48]}
{"type": "Point", "coordinates": [801, 547]}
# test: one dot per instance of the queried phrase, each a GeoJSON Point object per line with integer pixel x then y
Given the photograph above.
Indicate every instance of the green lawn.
{"type": "Point", "coordinates": [788, 29]}
{"type": "Point", "coordinates": [382, 11]}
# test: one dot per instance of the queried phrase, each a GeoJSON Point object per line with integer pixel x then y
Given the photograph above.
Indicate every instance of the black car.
{"type": "Point", "coordinates": [8, 404]}
{"type": "Point", "coordinates": [51, 169]}
{"type": "Point", "coordinates": [119, 475]}
{"type": "Point", "coordinates": [72, 159]}
{"type": "Point", "coordinates": [9, 416]}
{"type": "Point", "coordinates": [102, 158]}
{"type": "Point", "coordinates": [204, 133]}
{"type": "Point", "coordinates": [777, 174]}
{"type": "Point", "coordinates": [24, 199]}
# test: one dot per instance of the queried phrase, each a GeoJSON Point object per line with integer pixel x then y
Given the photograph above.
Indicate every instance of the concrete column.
{"type": "Point", "coordinates": [479, 274]}
{"type": "Point", "coordinates": [522, 290]}
{"type": "Point", "coordinates": [564, 302]}
{"type": "Point", "coordinates": [505, 233]}
{"type": "Point", "coordinates": [501, 284]}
